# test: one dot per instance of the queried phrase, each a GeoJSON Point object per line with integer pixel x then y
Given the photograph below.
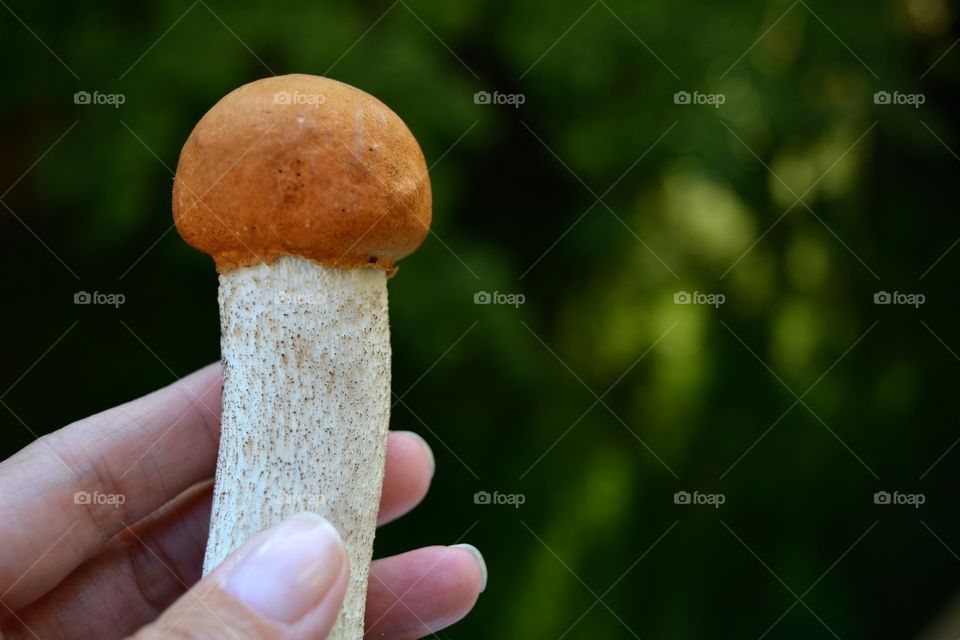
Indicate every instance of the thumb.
{"type": "Point", "coordinates": [287, 582]}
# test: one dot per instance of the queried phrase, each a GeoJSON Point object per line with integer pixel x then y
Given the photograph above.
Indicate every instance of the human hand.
{"type": "Point", "coordinates": [104, 525]}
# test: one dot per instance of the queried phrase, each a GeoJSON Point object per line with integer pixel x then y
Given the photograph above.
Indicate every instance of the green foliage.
{"type": "Point", "coordinates": [598, 398]}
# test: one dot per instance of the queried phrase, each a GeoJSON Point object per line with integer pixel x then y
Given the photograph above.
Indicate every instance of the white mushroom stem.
{"type": "Point", "coordinates": [306, 407]}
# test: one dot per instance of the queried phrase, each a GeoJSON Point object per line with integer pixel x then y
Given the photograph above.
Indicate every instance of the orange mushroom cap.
{"type": "Point", "coordinates": [302, 165]}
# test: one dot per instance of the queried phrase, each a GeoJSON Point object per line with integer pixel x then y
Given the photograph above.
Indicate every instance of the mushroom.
{"type": "Point", "coordinates": [305, 191]}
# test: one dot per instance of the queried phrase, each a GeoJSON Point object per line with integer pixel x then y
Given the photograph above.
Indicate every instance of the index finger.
{"type": "Point", "coordinates": [74, 489]}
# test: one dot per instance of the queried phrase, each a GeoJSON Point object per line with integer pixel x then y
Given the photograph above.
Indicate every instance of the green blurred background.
{"type": "Point", "coordinates": [598, 199]}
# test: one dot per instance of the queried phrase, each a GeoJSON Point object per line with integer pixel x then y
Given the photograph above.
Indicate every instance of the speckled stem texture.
{"type": "Point", "coordinates": [306, 407]}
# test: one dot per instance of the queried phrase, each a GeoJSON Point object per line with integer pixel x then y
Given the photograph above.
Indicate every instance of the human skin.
{"type": "Point", "coordinates": [71, 570]}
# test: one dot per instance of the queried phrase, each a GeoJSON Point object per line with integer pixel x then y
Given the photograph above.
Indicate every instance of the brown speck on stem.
{"type": "Point", "coordinates": [306, 388]}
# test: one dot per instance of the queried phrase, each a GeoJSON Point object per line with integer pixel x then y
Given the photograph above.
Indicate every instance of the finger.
{"type": "Point", "coordinates": [416, 594]}
{"type": "Point", "coordinates": [146, 568]}
{"type": "Point", "coordinates": [74, 489]}
{"type": "Point", "coordinates": [409, 470]}
{"type": "Point", "coordinates": [288, 582]}
{"type": "Point", "coordinates": [410, 596]}
{"type": "Point", "coordinates": [140, 573]}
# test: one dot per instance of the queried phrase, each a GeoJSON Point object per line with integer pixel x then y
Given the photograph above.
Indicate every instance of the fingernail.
{"type": "Point", "coordinates": [426, 447]}
{"type": "Point", "coordinates": [480, 562]}
{"type": "Point", "coordinates": [290, 571]}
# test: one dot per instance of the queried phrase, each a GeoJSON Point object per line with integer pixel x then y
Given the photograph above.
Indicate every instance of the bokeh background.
{"type": "Point", "coordinates": [600, 199]}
